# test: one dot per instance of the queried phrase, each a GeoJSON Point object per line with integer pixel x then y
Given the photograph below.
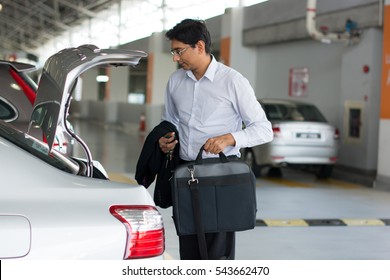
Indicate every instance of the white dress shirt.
{"type": "Point", "coordinates": [217, 104]}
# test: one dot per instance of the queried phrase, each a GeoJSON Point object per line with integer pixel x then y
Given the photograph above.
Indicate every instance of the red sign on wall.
{"type": "Point", "coordinates": [298, 80]}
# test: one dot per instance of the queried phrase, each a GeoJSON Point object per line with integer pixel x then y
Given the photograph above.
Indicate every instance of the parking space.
{"type": "Point", "coordinates": [299, 216]}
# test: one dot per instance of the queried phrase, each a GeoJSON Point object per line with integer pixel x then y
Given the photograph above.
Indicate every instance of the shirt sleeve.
{"type": "Point", "coordinates": [169, 113]}
{"type": "Point", "coordinates": [257, 129]}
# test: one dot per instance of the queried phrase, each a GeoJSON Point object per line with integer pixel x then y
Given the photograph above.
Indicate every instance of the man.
{"type": "Point", "coordinates": [208, 102]}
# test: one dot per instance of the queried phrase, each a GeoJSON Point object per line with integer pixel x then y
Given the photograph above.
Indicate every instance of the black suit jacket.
{"type": "Point", "coordinates": [152, 161]}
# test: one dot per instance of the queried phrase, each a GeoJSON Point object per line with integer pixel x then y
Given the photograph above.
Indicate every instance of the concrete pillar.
{"type": "Point", "coordinates": [383, 175]}
{"type": "Point", "coordinates": [233, 53]}
{"type": "Point", "coordinates": [160, 67]}
{"type": "Point", "coordinates": [89, 85]}
{"type": "Point", "coordinates": [118, 84]}
{"type": "Point", "coordinates": [360, 99]}
{"type": "Point", "coordinates": [89, 89]}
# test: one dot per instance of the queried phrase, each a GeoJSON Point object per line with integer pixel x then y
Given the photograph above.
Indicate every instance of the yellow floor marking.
{"type": "Point", "coordinates": [289, 183]}
{"type": "Point", "coordinates": [121, 178]}
{"type": "Point", "coordinates": [330, 182]}
{"type": "Point", "coordinates": [338, 183]}
{"type": "Point", "coordinates": [363, 222]}
{"type": "Point", "coordinates": [285, 223]}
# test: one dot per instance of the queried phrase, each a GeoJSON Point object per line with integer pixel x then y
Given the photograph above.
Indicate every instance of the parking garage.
{"type": "Point", "coordinates": [286, 51]}
{"type": "Point", "coordinates": [344, 78]}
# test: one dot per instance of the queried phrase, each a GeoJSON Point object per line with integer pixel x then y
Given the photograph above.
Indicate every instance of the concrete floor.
{"type": "Point", "coordinates": [300, 218]}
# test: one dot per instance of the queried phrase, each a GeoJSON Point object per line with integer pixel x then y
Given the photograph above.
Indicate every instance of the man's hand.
{"type": "Point", "coordinates": [217, 144]}
{"type": "Point", "coordinates": [167, 142]}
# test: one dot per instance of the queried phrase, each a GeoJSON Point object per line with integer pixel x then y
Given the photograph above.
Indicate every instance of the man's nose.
{"type": "Point", "coordinates": [176, 58]}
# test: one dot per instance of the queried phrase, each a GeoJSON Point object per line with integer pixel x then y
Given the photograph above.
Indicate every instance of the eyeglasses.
{"type": "Point", "coordinates": [178, 52]}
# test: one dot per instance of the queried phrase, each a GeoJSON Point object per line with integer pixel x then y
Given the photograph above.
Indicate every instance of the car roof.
{"type": "Point", "coordinates": [59, 76]}
{"type": "Point", "coordinates": [18, 66]}
{"type": "Point", "coordinates": [283, 101]}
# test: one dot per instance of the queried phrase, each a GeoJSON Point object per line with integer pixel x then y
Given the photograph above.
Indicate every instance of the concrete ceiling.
{"type": "Point", "coordinates": [27, 24]}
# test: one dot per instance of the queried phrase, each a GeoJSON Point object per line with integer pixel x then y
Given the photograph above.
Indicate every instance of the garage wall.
{"type": "Point", "coordinates": [336, 80]}
{"type": "Point", "coordinates": [323, 63]}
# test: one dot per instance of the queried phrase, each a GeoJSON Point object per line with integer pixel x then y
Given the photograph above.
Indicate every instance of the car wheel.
{"type": "Point", "coordinates": [275, 172]}
{"type": "Point", "coordinates": [249, 158]}
{"type": "Point", "coordinates": [324, 171]}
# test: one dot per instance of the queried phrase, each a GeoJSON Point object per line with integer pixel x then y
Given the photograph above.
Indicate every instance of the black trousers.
{"type": "Point", "coordinates": [220, 246]}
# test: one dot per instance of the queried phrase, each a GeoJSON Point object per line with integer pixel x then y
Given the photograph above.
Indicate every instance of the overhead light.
{"type": "Point", "coordinates": [102, 79]}
{"type": "Point", "coordinates": [1, 7]}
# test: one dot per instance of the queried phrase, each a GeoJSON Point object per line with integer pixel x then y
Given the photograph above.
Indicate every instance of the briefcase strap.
{"type": "Point", "coordinates": [199, 160]}
{"type": "Point", "coordinates": [198, 220]}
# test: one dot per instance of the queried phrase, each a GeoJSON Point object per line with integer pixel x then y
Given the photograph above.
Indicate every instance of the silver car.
{"type": "Point", "coordinates": [302, 137]}
{"type": "Point", "coordinates": [53, 206]}
{"type": "Point", "coordinates": [17, 97]}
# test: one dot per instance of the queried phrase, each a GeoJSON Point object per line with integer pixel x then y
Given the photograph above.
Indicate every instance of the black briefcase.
{"type": "Point", "coordinates": [213, 195]}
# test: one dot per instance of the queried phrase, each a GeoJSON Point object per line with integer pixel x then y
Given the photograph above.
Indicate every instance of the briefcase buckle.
{"type": "Point", "coordinates": [193, 180]}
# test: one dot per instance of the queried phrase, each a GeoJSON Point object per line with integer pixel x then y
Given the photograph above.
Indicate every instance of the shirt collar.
{"type": "Point", "coordinates": [210, 72]}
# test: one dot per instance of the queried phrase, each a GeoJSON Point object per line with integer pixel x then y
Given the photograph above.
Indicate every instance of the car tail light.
{"type": "Point", "coordinates": [336, 135]}
{"type": "Point", "coordinates": [278, 158]}
{"type": "Point", "coordinates": [145, 230]}
{"type": "Point", "coordinates": [333, 159]}
{"type": "Point", "coordinates": [276, 131]}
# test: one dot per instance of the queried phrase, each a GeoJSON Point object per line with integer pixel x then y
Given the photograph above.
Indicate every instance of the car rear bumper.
{"type": "Point", "coordinates": [303, 160]}
{"type": "Point", "coordinates": [279, 155]}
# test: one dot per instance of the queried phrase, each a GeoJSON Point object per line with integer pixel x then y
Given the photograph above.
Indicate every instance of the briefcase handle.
{"type": "Point", "coordinates": [199, 160]}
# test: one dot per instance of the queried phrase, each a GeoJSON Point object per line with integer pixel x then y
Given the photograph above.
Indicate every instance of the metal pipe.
{"type": "Point", "coordinates": [311, 13]}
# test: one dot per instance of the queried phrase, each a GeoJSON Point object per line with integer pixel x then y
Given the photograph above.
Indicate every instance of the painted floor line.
{"type": "Point", "coordinates": [321, 222]}
{"type": "Point", "coordinates": [298, 184]}
{"type": "Point", "coordinates": [289, 183]}
{"type": "Point", "coordinates": [341, 184]}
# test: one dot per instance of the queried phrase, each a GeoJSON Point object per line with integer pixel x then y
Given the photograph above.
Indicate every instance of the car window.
{"type": "Point", "coordinates": [7, 113]}
{"type": "Point", "coordinates": [310, 113]}
{"type": "Point", "coordinates": [273, 112]}
{"type": "Point", "coordinates": [38, 149]}
{"type": "Point", "coordinates": [47, 108]}
{"type": "Point", "coordinates": [287, 112]}
{"type": "Point", "coordinates": [19, 91]}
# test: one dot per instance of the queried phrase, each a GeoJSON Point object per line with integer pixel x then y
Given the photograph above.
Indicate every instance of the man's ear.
{"type": "Point", "coordinates": [201, 46]}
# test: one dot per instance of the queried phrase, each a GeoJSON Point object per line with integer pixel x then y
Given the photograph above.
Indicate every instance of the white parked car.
{"type": "Point", "coordinates": [53, 206]}
{"type": "Point", "coordinates": [302, 137]}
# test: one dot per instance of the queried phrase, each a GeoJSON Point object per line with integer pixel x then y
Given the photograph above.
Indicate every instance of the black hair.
{"type": "Point", "coordinates": [190, 31]}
